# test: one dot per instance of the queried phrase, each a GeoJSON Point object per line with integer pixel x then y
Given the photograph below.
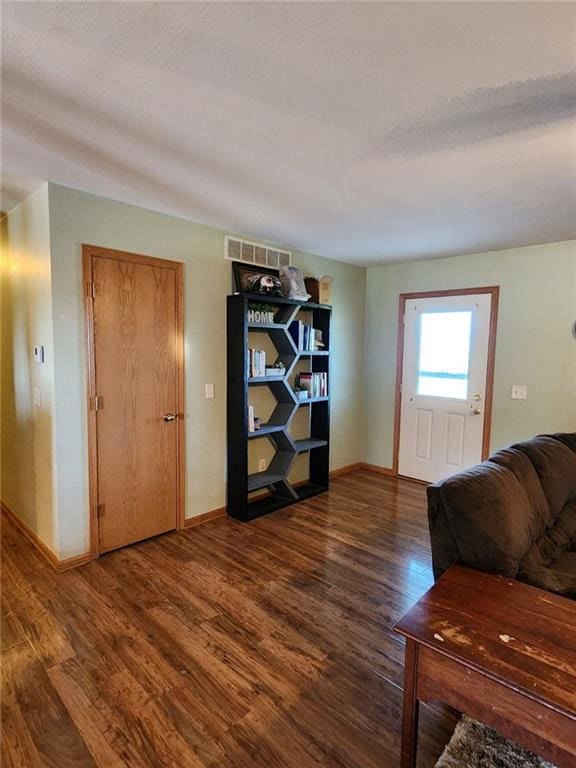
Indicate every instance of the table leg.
{"type": "Point", "coordinates": [410, 707]}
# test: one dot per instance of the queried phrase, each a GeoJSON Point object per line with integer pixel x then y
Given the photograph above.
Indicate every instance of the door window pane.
{"type": "Point", "coordinates": [444, 352]}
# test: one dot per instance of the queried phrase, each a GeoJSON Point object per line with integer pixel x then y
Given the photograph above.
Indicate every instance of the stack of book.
{"type": "Point", "coordinates": [256, 363]}
{"type": "Point", "coordinates": [306, 338]}
{"type": "Point", "coordinates": [316, 384]}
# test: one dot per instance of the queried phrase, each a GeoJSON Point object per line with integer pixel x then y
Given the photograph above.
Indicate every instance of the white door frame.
{"type": "Point", "coordinates": [494, 290]}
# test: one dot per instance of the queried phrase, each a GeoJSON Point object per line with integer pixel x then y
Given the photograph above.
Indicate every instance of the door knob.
{"type": "Point", "coordinates": [170, 416]}
{"type": "Point", "coordinates": [476, 411]}
{"type": "Point", "coordinates": [477, 398]}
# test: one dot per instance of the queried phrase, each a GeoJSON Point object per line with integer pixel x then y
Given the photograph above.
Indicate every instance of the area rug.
{"type": "Point", "coordinates": [474, 745]}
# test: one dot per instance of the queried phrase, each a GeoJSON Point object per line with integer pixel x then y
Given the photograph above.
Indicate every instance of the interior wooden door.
{"type": "Point", "coordinates": [137, 344]}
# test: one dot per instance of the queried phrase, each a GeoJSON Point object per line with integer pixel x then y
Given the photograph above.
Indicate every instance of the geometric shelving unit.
{"type": "Point", "coordinates": [275, 490]}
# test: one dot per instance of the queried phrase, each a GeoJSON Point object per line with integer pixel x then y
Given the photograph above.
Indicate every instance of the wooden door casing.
{"type": "Point", "coordinates": [135, 370]}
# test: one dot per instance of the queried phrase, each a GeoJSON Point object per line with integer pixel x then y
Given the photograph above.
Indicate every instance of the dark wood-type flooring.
{"type": "Point", "coordinates": [260, 645]}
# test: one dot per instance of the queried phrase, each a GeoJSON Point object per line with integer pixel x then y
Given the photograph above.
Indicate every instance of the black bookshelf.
{"type": "Point", "coordinates": [253, 495]}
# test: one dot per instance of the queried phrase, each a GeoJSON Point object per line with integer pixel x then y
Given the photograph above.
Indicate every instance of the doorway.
{"type": "Point", "coordinates": [135, 366]}
{"type": "Point", "coordinates": [446, 347]}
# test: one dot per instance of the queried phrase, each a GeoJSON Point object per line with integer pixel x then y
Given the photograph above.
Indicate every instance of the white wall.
{"type": "Point", "coordinates": [534, 345]}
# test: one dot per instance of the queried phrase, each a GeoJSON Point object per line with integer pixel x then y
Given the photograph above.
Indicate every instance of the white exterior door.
{"type": "Point", "coordinates": [443, 385]}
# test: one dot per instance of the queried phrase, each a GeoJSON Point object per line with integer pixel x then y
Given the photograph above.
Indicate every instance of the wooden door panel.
{"type": "Point", "coordinates": [135, 350]}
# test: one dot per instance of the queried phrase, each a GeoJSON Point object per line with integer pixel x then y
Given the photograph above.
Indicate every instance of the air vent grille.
{"type": "Point", "coordinates": [255, 253]}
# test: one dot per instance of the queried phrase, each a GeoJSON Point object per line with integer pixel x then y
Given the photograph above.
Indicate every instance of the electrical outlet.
{"type": "Point", "coordinates": [519, 392]}
{"type": "Point", "coordinates": [36, 397]}
{"type": "Point", "coordinates": [209, 389]}
{"type": "Point", "coordinates": [261, 465]}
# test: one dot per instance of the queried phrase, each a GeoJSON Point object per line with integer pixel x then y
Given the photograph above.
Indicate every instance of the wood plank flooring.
{"type": "Point", "coordinates": [260, 645]}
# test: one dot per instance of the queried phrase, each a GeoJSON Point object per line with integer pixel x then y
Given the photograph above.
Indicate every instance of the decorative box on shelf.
{"type": "Point", "coordinates": [320, 289]}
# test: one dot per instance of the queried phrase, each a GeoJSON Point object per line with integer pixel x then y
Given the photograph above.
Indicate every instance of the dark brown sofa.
{"type": "Point", "coordinates": [514, 514]}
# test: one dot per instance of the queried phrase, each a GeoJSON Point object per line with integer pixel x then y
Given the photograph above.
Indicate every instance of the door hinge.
{"type": "Point", "coordinates": [96, 403]}
{"type": "Point", "coordinates": [99, 510]}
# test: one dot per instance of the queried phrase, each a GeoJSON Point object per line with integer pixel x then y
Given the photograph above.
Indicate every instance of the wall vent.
{"type": "Point", "coordinates": [255, 253]}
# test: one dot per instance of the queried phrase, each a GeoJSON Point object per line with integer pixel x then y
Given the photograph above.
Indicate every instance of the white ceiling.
{"type": "Point", "coordinates": [367, 132]}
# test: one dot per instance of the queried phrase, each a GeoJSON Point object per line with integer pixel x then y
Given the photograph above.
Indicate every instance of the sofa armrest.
{"type": "Point", "coordinates": [444, 546]}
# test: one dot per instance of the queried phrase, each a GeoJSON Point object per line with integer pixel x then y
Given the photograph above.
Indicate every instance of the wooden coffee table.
{"type": "Point", "coordinates": [501, 652]}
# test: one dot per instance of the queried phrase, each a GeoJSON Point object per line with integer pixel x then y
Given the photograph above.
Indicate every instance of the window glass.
{"type": "Point", "coordinates": [444, 353]}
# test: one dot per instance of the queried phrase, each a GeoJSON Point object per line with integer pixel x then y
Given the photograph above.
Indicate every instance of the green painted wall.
{"type": "Point", "coordinates": [534, 343]}
{"type": "Point", "coordinates": [44, 450]}
{"type": "Point", "coordinates": [27, 466]}
{"type": "Point", "coordinates": [76, 218]}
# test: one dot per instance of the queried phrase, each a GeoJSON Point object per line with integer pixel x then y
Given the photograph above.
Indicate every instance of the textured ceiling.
{"type": "Point", "coordinates": [367, 132]}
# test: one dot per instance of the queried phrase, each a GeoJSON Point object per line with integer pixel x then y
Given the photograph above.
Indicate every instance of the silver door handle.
{"type": "Point", "coordinates": [170, 416]}
{"type": "Point", "coordinates": [476, 411]}
{"type": "Point", "coordinates": [477, 398]}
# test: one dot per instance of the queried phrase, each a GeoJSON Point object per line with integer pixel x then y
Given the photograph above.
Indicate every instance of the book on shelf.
{"type": "Point", "coordinates": [256, 363]}
{"type": "Point", "coordinates": [306, 338]}
{"type": "Point", "coordinates": [316, 384]}
{"type": "Point", "coordinates": [295, 329]}
{"type": "Point", "coordinates": [251, 426]}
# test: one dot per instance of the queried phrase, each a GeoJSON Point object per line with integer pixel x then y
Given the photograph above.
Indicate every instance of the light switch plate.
{"type": "Point", "coordinates": [519, 392]}
{"type": "Point", "coordinates": [209, 391]}
{"type": "Point", "coordinates": [38, 353]}
{"type": "Point", "coordinates": [36, 397]}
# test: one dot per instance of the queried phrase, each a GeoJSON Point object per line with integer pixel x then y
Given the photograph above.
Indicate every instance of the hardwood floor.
{"type": "Point", "coordinates": [260, 645]}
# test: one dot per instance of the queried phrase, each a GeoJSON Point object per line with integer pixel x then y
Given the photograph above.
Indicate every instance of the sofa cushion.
{"type": "Point", "coordinates": [560, 577]}
{"type": "Point", "coordinates": [491, 517]}
{"type": "Point", "coordinates": [521, 466]}
{"type": "Point", "coordinates": [568, 438]}
{"type": "Point", "coordinates": [555, 464]}
{"type": "Point", "coordinates": [549, 550]}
